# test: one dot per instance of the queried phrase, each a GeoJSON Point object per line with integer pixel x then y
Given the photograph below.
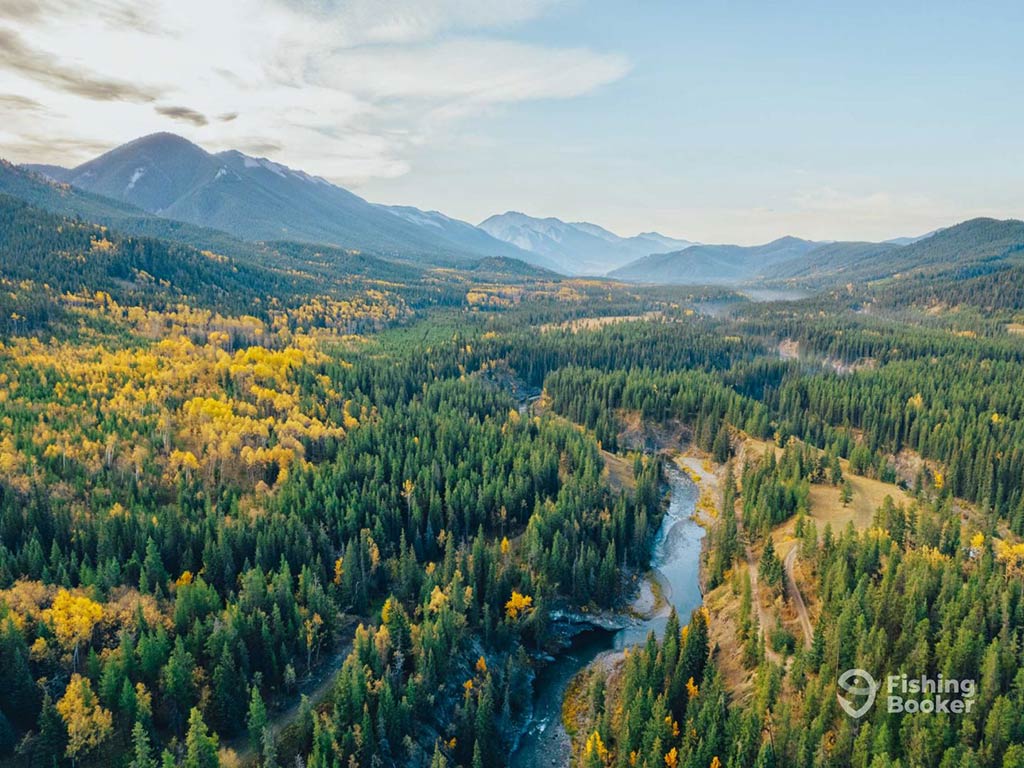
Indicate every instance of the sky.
{"type": "Point", "coordinates": [714, 121]}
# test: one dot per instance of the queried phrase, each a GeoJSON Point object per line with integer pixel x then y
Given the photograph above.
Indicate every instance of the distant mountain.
{"type": "Point", "coordinates": [830, 262]}
{"type": "Point", "coordinates": [964, 251]}
{"type": "Point", "coordinates": [466, 236]}
{"type": "Point", "coordinates": [960, 252]}
{"type": "Point", "coordinates": [714, 264]}
{"type": "Point", "coordinates": [911, 240]}
{"type": "Point", "coordinates": [321, 262]}
{"type": "Point", "coordinates": [258, 199]}
{"type": "Point", "coordinates": [575, 247]}
{"type": "Point", "coordinates": [51, 172]}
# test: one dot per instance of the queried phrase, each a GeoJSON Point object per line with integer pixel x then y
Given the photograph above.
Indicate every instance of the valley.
{"type": "Point", "coordinates": [282, 502]}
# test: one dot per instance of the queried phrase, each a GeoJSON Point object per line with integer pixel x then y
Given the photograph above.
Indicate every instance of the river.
{"type": "Point", "coordinates": [675, 562]}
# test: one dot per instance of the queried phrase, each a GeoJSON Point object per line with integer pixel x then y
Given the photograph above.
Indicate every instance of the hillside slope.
{"type": "Point", "coordinates": [258, 199]}
{"type": "Point", "coordinates": [713, 264]}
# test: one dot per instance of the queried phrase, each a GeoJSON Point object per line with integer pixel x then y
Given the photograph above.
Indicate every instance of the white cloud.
{"type": "Point", "coordinates": [474, 70]}
{"type": "Point", "coordinates": [342, 88]}
{"type": "Point", "coordinates": [408, 21]}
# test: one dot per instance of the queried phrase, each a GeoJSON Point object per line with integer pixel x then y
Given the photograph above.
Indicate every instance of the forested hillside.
{"type": "Point", "coordinates": [291, 503]}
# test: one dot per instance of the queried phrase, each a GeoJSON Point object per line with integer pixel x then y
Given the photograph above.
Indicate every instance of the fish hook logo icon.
{"type": "Point", "coordinates": [856, 682]}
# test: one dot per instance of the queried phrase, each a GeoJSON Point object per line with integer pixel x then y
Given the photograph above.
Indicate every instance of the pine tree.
{"type": "Point", "coordinates": [256, 722]}
{"type": "Point", "coordinates": [770, 570]}
{"type": "Point", "coordinates": [200, 744]}
{"type": "Point", "coordinates": [142, 755]}
{"type": "Point", "coordinates": [846, 493]}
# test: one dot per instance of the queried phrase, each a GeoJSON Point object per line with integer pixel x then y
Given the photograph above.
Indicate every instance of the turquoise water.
{"type": "Point", "coordinates": [675, 560]}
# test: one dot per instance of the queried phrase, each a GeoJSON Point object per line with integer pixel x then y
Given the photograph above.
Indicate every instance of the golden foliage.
{"type": "Point", "coordinates": [595, 748]}
{"type": "Point", "coordinates": [518, 605]}
{"type": "Point", "coordinates": [73, 618]}
{"type": "Point", "coordinates": [88, 724]}
{"type": "Point", "coordinates": [691, 689]}
{"type": "Point", "coordinates": [1012, 558]}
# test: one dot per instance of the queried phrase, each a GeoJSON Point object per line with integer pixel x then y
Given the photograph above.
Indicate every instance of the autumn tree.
{"type": "Point", "coordinates": [88, 724]}
{"type": "Point", "coordinates": [73, 618]}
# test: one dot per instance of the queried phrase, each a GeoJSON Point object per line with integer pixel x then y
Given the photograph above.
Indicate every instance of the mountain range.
{"type": "Point", "coordinates": [713, 263]}
{"type": "Point", "coordinates": [971, 248]}
{"type": "Point", "coordinates": [253, 198]}
{"type": "Point", "coordinates": [258, 199]}
{"type": "Point", "coordinates": [167, 187]}
{"type": "Point", "coordinates": [576, 247]}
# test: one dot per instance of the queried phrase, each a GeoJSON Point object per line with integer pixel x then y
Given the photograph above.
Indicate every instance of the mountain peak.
{"type": "Point", "coordinates": [255, 198]}
{"type": "Point", "coordinates": [160, 143]}
{"type": "Point", "coordinates": [575, 247]}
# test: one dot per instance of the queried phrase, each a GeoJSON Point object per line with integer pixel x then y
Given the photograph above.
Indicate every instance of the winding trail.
{"type": "Point", "coordinates": [317, 687]}
{"type": "Point", "coordinates": [763, 618]}
{"type": "Point", "coordinates": [797, 599]}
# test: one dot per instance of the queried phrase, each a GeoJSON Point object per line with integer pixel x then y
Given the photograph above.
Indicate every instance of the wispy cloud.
{"type": "Point", "coordinates": [12, 101]}
{"type": "Point", "coordinates": [348, 89]}
{"type": "Point", "coordinates": [183, 113]}
{"type": "Point", "coordinates": [21, 58]}
{"type": "Point", "coordinates": [113, 13]}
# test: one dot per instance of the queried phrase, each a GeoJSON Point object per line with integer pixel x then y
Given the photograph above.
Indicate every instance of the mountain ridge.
{"type": "Point", "coordinates": [259, 199]}
{"type": "Point", "coordinates": [966, 247]}
{"type": "Point", "coordinates": [713, 264]}
{"type": "Point", "coordinates": [576, 247]}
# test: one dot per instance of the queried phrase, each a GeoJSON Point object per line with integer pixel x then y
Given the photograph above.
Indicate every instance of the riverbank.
{"type": "Point", "coordinates": [674, 581]}
{"type": "Point", "coordinates": [653, 602]}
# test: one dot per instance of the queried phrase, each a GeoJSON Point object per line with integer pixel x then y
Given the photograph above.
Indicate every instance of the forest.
{"type": "Point", "coordinates": [298, 508]}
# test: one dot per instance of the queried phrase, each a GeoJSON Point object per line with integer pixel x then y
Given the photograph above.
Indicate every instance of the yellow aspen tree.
{"type": "Point", "coordinates": [74, 618]}
{"type": "Point", "coordinates": [88, 724]}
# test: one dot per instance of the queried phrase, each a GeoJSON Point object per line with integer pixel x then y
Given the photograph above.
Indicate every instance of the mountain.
{"type": "Point", "coordinates": [466, 236]}
{"type": "Point", "coordinates": [71, 255]}
{"type": "Point", "coordinates": [967, 250]}
{"type": "Point", "coordinates": [320, 262]}
{"type": "Point", "coordinates": [911, 240]}
{"type": "Point", "coordinates": [575, 247]}
{"type": "Point", "coordinates": [964, 251]}
{"type": "Point", "coordinates": [829, 261]}
{"type": "Point", "coordinates": [713, 264]}
{"type": "Point", "coordinates": [41, 191]}
{"type": "Point", "coordinates": [258, 199]}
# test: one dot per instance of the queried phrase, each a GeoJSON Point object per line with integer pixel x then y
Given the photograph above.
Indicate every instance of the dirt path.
{"type": "Point", "coordinates": [797, 599]}
{"type": "Point", "coordinates": [316, 688]}
{"type": "Point", "coordinates": [763, 619]}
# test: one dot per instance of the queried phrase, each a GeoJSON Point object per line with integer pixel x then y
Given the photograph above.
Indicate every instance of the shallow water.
{"type": "Point", "coordinates": [675, 561]}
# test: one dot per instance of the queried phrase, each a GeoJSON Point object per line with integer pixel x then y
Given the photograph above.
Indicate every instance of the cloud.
{"type": "Point", "coordinates": [258, 147]}
{"type": "Point", "coordinates": [184, 114]}
{"type": "Point", "coordinates": [50, 150]}
{"type": "Point", "coordinates": [14, 101]}
{"type": "Point", "coordinates": [347, 89]}
{"type": "Point", "coordinates": [481, 71]}
{"type": "Point", "coordinates": [408, 21]}
{"type": "Point", "coordinates": [38, 65]}
{"type": "Point", "coordinates": [113, 13]}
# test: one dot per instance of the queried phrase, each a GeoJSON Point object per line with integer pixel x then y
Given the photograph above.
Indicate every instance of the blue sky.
{"type": "Point", "coordinates": [713, 121]}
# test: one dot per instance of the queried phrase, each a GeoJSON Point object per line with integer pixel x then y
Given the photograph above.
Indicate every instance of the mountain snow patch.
{"type": "Point", "coordinates": [139, 173]}
{"type": "Point", "coordinates": [274, 168]}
